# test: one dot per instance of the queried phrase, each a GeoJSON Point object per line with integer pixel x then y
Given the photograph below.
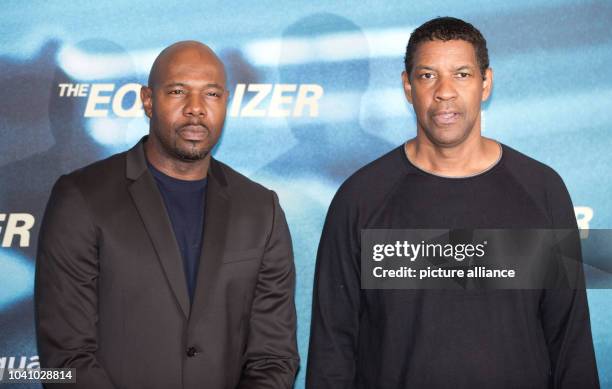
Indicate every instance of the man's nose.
{"type": "Point", "coordinates": [195, 105]}
{"type": "Point", "coordinates": [445, 89]}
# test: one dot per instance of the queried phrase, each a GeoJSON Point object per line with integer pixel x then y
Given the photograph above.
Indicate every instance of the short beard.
{"type": "Point", "coordinates": [192, 155]}
{"type": "Point", "coordinates": [170, 146]}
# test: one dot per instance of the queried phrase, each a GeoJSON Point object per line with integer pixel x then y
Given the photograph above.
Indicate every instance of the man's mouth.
{"type": "Point", "coordinates": [194, 132]}
{"type": "Point", "coordinates": [445, 117]}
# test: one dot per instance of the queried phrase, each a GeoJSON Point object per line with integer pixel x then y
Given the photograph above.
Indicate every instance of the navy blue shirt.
{"type": "Point", "coordinates": [185, 202]}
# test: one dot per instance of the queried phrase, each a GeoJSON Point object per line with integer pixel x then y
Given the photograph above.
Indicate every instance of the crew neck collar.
{"type": "Point", "coordinates": [176, 183]}
{"type": "Point", "coordinates": [489, 169]}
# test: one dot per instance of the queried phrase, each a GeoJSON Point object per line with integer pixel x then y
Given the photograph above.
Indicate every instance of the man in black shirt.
{"type": "Point", "coordinates": [448, 177]}
{"type": "Point", "coordinates": [162, 267]}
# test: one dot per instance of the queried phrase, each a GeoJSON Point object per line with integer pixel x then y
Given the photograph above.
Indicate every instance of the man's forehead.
{"type": "Point", "coordinates": [187, 61]}
{"type": "Point", "coordinates": [193, 70]}
{"type": "Point", "coordinates": [445, 51]}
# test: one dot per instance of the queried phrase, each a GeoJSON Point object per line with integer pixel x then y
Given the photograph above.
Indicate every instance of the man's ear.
{"type": "Point", "coordinates": [487, 84]}
{"type": "Point", "coordinates": [146, 95]}
{"type": "Point", "coordinates": [407, 86]}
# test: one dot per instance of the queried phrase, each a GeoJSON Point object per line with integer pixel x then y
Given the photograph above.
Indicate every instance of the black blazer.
{"type": "Point", "coordinates": [111, 296]}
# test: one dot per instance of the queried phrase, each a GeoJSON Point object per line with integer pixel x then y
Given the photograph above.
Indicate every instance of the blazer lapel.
{"type": "Point", "coordinates": [150, 205]}
{"type": "Point", "coordinates": [217, 212]}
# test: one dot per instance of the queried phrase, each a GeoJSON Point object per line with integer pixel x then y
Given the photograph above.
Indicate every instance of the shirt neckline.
{"type": "Point", "coordinates": [486, 171]}
{"type": "Point", "coordinates": [175, 184]}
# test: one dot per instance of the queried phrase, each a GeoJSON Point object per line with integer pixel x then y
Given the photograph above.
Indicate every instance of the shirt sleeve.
{"type": "Point", "coordinates": [565, 311]}
{"type": "Point", "coordinates": [66, 300]}
{"type": "Point", "coordinates": [271, 352]}
{"type": "Point", "coordinates": [334, 330]}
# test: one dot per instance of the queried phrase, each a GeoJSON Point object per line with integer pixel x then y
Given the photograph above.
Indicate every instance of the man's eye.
{"type": "Point", "coordinates": [463, 75]}
{"type": "Point", "coordinates": [427, 75]}
{"type": "Point", "coordinates": [213, 94]}
{"type": "Point", "coordinates": [176, 92]}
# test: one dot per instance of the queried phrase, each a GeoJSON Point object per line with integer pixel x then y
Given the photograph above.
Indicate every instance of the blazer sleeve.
{"type": "Point", "coordinates": [565, 310]}
{"type": "Point", "coordinates": [66, 289]}
{"type": "Point", "coordinates": [334, 328]}
{"type": "Point", "coordinates": [271, 353]}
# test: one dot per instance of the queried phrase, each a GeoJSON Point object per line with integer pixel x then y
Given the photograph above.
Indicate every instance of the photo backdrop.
{"type": "Point", "coordinates": [315, 94]}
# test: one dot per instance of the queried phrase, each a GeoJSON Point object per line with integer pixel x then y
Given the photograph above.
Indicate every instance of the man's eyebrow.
{"type": "Point", "coordinates": [171, 84]}
{"type": "Point", "coordinates": [464, 67]}
{"type": "Point", "coordinates": [423, 67]}
{"type": "Point", "coordinates": [214, 85]}
{"type": "Point", "coordinates": [209, 85]}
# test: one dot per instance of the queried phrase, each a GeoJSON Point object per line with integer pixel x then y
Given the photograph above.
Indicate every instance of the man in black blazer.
{"type": "Point", "coordinates": [161, 267]}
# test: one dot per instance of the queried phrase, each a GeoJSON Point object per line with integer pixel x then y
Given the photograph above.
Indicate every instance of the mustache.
{"type": "Point", "coordinates": [445, 110]}
{"type": "Point", "coordinates": [193, 127]}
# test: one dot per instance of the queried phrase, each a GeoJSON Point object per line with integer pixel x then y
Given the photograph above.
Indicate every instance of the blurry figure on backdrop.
{"type": "Point", "coordinates": [26, 182]}
{"type": "Point", "coordinates": [328, 146]}
{"type": "Point", "coordinates": [448, 177]}
{"type": "Point", "coordinates": [45, 136]}
{"type": "Point", "coordinates": [239, 70]}
{"type": "Point", "coordinates": [162, 267]}
{"type": "Point", "coordinates": [333, 143]}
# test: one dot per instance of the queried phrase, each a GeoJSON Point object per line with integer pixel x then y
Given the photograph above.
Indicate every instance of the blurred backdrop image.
{"type": "Point", "coordinates": [315, 94]}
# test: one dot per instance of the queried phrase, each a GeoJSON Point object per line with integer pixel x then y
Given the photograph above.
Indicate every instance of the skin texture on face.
{"type": "Point", "coordinates": [186, 102]}
{"type": "Point", "coordinates": [446, 90]}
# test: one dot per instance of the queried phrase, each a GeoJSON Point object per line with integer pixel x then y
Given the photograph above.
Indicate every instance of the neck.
{"type": "Point", "coordinates": [472, 156]}
{"type": "Point", "coordinates": [173, 167]}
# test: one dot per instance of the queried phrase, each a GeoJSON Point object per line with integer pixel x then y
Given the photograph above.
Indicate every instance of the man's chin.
{"type": "Point", "coordinates": [447, 137]}
{"type": "Point", "coordinates": [191, 155]}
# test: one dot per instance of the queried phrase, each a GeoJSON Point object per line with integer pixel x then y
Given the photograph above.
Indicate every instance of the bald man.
{"type": "Point", "coordinates": [161, 267]}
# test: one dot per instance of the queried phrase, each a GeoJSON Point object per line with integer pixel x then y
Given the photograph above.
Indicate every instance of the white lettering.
{"type": "Point", "coordinates": [237, 100]}
{"type": "Point", "coordinates": [95, 98]}
{"type": "Point", "coordinates": [136, 109]}
{"type": "Point", "coordinates": [308, 95]}
{"type": "Point", "coordinates": [34, 363]}
{"type": "Point", "coordinates": [283, 96]}
{"type": "Point", "coordinates": [18, 224]}
{"type": "Point", "coordinates": [286, 99]}
{"type": "Point", "coordinates": [62, 89]}
{"type": "Point", "coordinates": [249, 109]}
{"type": "Point", "coordinates": [73, 90]}
{"type": "Point", "coordinates": [278, 100]}
{"type": "Point", "coordinates": [377, 254]}
{"type": "Point", "coordinates": [584, 215]}
{"type": "Point", "coordinates": [83, 90]}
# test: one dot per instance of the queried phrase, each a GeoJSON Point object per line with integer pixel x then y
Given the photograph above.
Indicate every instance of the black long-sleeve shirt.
{"type": "Point", "coordinates": [433, 339]}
